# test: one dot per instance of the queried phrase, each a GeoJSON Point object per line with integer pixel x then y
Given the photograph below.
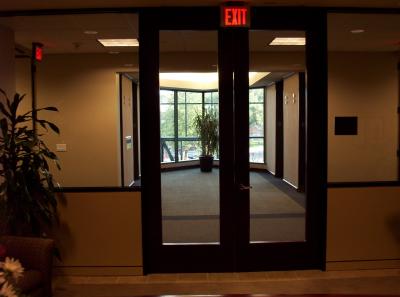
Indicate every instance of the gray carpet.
{"type": "Point", "coordinates": [190, 209]}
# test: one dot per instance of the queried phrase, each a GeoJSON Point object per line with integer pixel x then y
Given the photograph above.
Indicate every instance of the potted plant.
{"type": "Point", "coordinates": [206, 126]}
{"type": "Point", "coordinates": [28, 202]}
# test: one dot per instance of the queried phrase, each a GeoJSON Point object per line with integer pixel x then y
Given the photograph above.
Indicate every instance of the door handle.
{"type": "Point", "coordinates": [242, 187]}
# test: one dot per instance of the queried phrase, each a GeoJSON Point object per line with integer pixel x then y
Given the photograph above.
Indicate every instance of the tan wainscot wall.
{"type": "Point", "coordinates": [100, 234]}
{"type": "Point", "coordinates": [363, 228]}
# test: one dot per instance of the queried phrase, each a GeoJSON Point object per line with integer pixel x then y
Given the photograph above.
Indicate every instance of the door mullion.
{"type": "Point", "coordinates": [226, 142]}
{"type": "Point", "coordinates": [241, 124]}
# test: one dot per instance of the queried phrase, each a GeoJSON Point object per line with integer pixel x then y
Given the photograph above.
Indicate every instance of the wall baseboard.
{"type": "Point", "coordinates": [289, 183]}
{"type": "Point", "coordinates": [360, 265]}
{"type": "Point", "coordinates": [98, 271]}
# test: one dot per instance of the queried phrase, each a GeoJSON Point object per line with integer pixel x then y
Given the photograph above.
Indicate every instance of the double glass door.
{"type": "Point", "coordinates": [255, 207]}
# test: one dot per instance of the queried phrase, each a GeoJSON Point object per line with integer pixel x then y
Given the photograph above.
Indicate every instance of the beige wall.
{"type": "Point", "coordinates": [204, 61]}
{"type": "Point", "coordinates": [23, 82]}
{"type": "Point", "coordinates": [270, 131]}
{"type": "Point", "coordinates": [100, 233]}
{"type": "Point", "coordinates": [7, 61]}
{"type": "Point", "coordinates": [127, 128]}
{"type": "Point", "coordinates": [291, 129]}
{"type": "Point", "coordinates": [84, 88]}
{"type": "Point", "coordinates": [363, 228]}
{"type": "Point", "coordinates": [363, 85]}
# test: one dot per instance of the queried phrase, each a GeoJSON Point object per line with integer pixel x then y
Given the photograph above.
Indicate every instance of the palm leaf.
{"type": "Point", "coordinates": [28, 187]}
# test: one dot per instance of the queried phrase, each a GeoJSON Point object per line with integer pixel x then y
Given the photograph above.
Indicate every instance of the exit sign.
{"type": "Point", "coordinates": [235, 16]}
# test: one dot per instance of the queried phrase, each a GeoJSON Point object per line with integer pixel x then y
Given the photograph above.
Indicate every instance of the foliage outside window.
{"type": "Point", "coordinates": [256, 125]}
{"type": "Point", "coordinates": [179, 141]}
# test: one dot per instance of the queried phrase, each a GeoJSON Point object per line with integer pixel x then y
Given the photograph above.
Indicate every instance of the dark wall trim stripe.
{"type": "Point", "coordinates": [135, 188]}
{"type": "Point", "coordinates": [364, 184]}
{"type": "Point", "coordinates": [68, 11]}
{"type": "Point", "coordinates": [359, 260]}
{"type": "Point", "coordinates": [362, 10]}
{"type": "Point", "coordinates": [35, 12]}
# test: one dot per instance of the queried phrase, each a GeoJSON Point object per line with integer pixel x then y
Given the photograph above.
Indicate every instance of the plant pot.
{"type": "Point", "coordinates": [206, 163]}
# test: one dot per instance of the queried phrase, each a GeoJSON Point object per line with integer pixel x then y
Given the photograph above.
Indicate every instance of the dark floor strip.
{"type": "Point", "coordinates": [299, 198]}
{"type": "Point", "coordinates": [253, 216]}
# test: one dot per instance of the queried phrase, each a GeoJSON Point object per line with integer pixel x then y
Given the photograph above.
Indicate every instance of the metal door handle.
{"type": "Point", "coordinates": [242, 187]}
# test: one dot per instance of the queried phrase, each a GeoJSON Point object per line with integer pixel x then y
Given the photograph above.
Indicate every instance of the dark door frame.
{"type": "Point", "coordinates": [302, 132]}
{"type": "Point", "coordinates": [309, 254]}
{"type": "Point", "coordinates": [279, 130]}
{"type": "Point", "coordinates": [398, 120]}
{"type": "Point", "coordinates": [135, 136]}
{"type": "Point", "coordinates": [158, 257]}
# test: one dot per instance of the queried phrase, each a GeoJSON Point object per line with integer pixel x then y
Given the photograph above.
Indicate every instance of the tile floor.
{"type": "Point", "coordinates": [274, 282]}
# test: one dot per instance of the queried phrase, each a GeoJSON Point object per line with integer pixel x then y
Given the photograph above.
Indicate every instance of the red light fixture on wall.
{"type": "Point", "coordinates": [37, 51]}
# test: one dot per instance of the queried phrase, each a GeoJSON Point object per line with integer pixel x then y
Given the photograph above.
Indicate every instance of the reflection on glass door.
{"type": "Point", "coordinates": [189, 98]}
{"type": "Point", "coordinates": [277, 208]}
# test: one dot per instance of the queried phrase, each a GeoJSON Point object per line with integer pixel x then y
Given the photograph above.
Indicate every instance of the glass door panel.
{"type": "Point", "coordinates": [190, 195]}
{"type": "Point", "coordinates": [276, 82]}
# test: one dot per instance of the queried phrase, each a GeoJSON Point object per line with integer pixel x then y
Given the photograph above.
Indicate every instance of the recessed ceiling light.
{"type": "Point", "coordinates": [288, 41]}
{"type": "Point", "coordinates": [119, 42]}
{"type": "Point", "coordinates": [113, 53]}
{"type": "Point", "coordinates": [90, 32]}
{"type": "Point", "coordinates": [357, 31]}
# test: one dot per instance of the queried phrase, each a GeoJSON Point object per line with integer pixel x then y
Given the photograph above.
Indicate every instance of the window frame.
{"type": "Point", "coordinates": [264, 125]}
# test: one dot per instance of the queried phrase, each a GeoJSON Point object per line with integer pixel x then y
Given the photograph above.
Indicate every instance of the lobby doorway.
{"type": "Point", "coordinates": [217, 68]}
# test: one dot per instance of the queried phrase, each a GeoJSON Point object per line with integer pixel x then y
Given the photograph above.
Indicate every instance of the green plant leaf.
{"type": "Point", "coordinates": [53, 127]}
{"type": "Point", "coordinates": [50, 108]}
{"type": "Point", "coordinates": [28, 189]}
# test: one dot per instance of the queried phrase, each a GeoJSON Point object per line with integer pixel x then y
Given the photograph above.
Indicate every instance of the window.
{"type": "Point", "coordinates": [211, 101]}
{"type": "Point", "coordinates": [256, 125]}
{"type": "Point", "coordinates": [189, 104]}
{"type": "Point", "coordinates": [179, 141]}
{"type": "Point", "coordinates": [167, 125]}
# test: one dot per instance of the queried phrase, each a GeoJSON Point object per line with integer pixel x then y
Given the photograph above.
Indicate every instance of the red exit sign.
{"type": "Point", "coordinates": [235, 16]}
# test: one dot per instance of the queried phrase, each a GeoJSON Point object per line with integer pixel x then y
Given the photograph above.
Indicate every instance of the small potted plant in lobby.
{"type": "Point", "coordinates": [206, 126]}
{"type": "Point", "coordinates": [28, 202]}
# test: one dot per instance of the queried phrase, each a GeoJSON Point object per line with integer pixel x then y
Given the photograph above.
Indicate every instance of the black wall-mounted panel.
{"type": "Point", "coordinates": [346, 126]}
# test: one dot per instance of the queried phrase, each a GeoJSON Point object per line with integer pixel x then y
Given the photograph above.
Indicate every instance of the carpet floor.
{"type": "Point", "coordinates": [190, 208]}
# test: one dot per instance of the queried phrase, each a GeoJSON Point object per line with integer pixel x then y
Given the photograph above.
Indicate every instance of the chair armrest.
{"type": "Point", "coordinates": [33, 253]}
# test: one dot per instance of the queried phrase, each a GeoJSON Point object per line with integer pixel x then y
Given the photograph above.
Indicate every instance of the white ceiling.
{"type": "Point", "coordinates": [382, 32]}
{"type": "Point", "coordinates": [65, 4]}
{"type": "Point", "coordinates": [65, 34]}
